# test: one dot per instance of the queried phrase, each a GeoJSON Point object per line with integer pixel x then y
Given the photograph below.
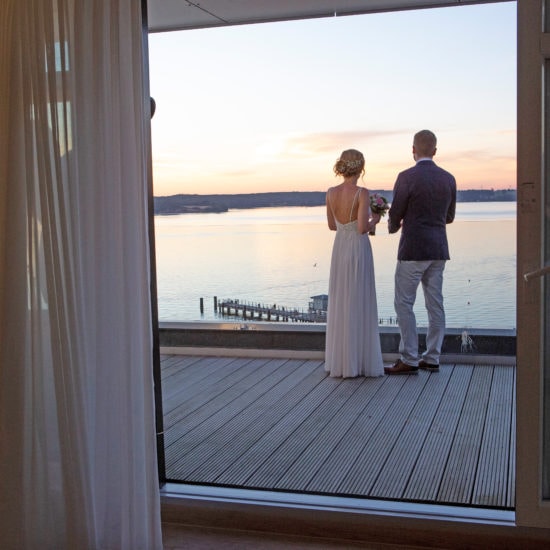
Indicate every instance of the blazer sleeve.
{"type": "Point", "coordinates": [398, 206]}
{"type": "Point", "coordinates": [452, 207]}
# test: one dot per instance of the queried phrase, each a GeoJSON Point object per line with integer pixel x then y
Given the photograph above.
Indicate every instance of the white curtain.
{"type": "Point", "coordinates": [77, 435]}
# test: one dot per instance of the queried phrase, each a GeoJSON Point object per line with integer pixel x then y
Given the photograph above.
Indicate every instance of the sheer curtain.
{"type": "Point", "coordinates": [77, 435]}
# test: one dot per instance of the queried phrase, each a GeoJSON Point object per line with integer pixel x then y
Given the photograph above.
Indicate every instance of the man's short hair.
{"type": "Point", "coordinates": [425, 143]}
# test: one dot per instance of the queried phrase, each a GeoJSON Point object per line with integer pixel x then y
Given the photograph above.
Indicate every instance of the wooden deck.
{"type": "Point", "coordinates": [282, 424]}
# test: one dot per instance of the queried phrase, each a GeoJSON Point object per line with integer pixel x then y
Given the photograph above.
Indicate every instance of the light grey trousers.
{"type": "Point", "coordinates": [408, 276]}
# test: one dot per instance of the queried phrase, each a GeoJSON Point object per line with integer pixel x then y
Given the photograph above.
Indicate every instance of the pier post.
{"type": "Point", "coordinates": [202, 305]}
{"type": "Point", "coordinates": [215, 303]}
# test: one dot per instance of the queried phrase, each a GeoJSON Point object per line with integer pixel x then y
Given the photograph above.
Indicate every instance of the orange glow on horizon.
{"type": "Point", "coordinates": [500, 174]}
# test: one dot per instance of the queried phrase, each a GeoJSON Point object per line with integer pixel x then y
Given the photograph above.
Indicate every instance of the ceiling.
{"type": "Point", "coordinates": [170, 15]}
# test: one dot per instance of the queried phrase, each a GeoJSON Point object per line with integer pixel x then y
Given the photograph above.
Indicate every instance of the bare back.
{"type": "Point", "coordinates": [347, 203]}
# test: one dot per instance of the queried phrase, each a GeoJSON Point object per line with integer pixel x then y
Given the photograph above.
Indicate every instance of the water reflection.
{"type": "Point", "coordinates": [282, 256]}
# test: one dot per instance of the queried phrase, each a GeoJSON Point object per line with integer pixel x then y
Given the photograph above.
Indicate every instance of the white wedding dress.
{"type": "Point", "coordinates": [352, 338]}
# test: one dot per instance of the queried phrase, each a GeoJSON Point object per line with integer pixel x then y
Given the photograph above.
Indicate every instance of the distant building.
{"type": "Point", "coordinates": [319, 302]}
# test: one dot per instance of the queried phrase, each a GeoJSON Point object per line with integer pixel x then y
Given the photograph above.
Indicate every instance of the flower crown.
{"type": "Point", "coordinates": [352, 164]}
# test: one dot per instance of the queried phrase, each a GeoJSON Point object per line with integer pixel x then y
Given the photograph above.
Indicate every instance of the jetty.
{"type": "Point", "coordinates": [254, 311]}
{"type": "Point", "coordinates": [262, 312]}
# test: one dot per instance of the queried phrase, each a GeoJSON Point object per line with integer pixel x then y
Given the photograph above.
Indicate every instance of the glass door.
{"type": "Point", "coordinates": [533, 256]}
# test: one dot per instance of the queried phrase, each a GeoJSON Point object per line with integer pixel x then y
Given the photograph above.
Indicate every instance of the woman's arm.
{"type": "Point", "coordinates": [330, 216]}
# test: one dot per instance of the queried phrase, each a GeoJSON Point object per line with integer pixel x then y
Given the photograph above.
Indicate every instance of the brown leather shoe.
{"type": "Point", "coordinates": [401, 368]}
{"type": "Point", "coordinates": [428, 366]}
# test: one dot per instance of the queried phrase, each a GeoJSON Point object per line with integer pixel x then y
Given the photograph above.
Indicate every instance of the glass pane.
{"type": "Point", "coordinates": [279, 254]}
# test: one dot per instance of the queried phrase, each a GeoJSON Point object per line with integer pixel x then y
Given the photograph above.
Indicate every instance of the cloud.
{"type": "Point", "coordinates": [314, 144]}
{"type": "Point", "coordinates": [236, 174]}
{"type": "Point", "coordinates": [477, 155]}
{"type": "Point", "coordinates": [507, 132]}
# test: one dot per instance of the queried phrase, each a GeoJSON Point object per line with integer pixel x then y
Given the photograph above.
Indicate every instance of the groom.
{"type": "Point", "coordinates": [424, 201]}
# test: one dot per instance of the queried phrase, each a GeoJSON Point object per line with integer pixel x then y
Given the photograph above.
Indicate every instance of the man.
{"type": "Point", "coordinates": [424, 201]}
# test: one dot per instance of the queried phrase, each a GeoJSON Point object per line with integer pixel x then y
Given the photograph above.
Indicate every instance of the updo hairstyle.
{"type": "Point", "coordinates": [350, 163]}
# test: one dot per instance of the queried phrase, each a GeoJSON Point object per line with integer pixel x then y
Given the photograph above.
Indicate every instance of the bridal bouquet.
{"type": "Point", "coordinates": [378, 205]}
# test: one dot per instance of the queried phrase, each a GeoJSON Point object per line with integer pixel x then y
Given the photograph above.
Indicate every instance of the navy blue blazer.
{"type": "Point", "coordinates": [424, 202]}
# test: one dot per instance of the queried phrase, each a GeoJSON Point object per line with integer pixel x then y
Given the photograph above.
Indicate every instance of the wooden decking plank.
{"type": "Point", "coordinates": [428, 470]}
{"type": "Point", "coordinates": [299, 474]}
{"type": "Point", "coordinates": [458, 479]}
{"type": "Point", "coordinates": [203, 408]}
{"type": "Point", "coordinates": [167, 360]}
{"type": "Point", "coordinates": [250, 436]}
{"type": "Point", "coordinates": [236, 375]}
{"type": "Point", "coordinates": [286, 430]}
{"type": "Point", "coordinates": [493, 459]}
{"type": "Point", "coordinates": [174, 363]}
{"type": "Point", "coordinates": [336, 409]}
{"type": "Point", "coordinates": [364, 472]}
{"type": "Point", "coordinates": [225, 445]}
{"type": "Point", "coordinates": [328, 478]}
{"type": "Point", "coordinates": [490, 488]}
{"type": "Point", "coordinates": [511, 491]}
{"type": "Point", "coordinates": [189, 367]}
{"type": "Point", "coordinates": [213, 407]}
{"type": "Point", "coordinates": [188, 363]}
{"type": "Point", "coordinates": [281, 425]}
{"type": "Point", "coordinates": [170, 362]}
{"type": "Point", "coordinates": [393, 478]}
{"type": "Point", "coordinates": [191, 373]}
{"type": "Point", "coordinates": [199, 378]}
{"type": "Point", "coordinates": [221, 412]}
{"type": "Point", "coordinates": [212, 458]}
{"type": "Point", "coordinates": [212, 380]}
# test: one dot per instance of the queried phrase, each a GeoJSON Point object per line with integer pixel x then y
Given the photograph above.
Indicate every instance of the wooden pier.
{"type": "Point", "coordinates": [254, 311]}
{"type": "Point", "coordinates": [261, 312]}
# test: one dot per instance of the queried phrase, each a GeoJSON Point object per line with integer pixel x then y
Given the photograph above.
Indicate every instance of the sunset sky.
{"type": "Point", "coordinates": [269, 107]}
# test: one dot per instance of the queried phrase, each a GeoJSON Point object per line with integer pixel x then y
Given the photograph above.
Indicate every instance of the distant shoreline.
{"type": "Point", "coordinates": [192, 204]}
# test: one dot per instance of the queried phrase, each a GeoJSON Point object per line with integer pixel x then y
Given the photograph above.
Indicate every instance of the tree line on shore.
{"type": "Point", "coordinates": [188, 203]}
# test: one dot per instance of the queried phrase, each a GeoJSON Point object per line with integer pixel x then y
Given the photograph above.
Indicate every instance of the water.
{"type": "Point", "coordinates": [282, 256]}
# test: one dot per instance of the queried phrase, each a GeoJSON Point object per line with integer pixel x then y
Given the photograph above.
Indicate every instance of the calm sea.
{"type": "Point", "coordinates": [282, 256]}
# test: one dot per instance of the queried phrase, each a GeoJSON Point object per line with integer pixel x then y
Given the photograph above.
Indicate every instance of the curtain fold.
{"type": "Point", "coordinates": [77, 434]}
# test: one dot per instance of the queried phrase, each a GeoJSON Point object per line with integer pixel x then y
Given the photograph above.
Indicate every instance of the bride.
{"type": "Point", "coordinates": [352, 339]}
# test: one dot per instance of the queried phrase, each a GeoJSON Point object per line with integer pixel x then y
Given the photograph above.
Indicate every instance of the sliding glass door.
{"type": "Point", "coordinates": [533, 290]}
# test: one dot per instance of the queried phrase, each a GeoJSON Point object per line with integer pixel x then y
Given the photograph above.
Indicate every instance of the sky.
{"type": "Point", "coordinates": [269, 107]}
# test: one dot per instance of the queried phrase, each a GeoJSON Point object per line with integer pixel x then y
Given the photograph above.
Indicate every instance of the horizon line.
{"type": "Point", "coordinates": [374, 190]}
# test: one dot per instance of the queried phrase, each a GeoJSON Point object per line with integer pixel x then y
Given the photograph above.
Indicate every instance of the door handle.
{"type": "Point", "coordinates": [537, 273]}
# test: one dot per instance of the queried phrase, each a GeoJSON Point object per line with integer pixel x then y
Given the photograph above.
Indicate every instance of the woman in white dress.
{"type": "Point", "coordinates": [352, 339]}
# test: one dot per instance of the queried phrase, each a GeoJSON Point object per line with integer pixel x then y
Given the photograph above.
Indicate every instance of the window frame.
{"type": "Point", "coordinates": [531, 510]}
